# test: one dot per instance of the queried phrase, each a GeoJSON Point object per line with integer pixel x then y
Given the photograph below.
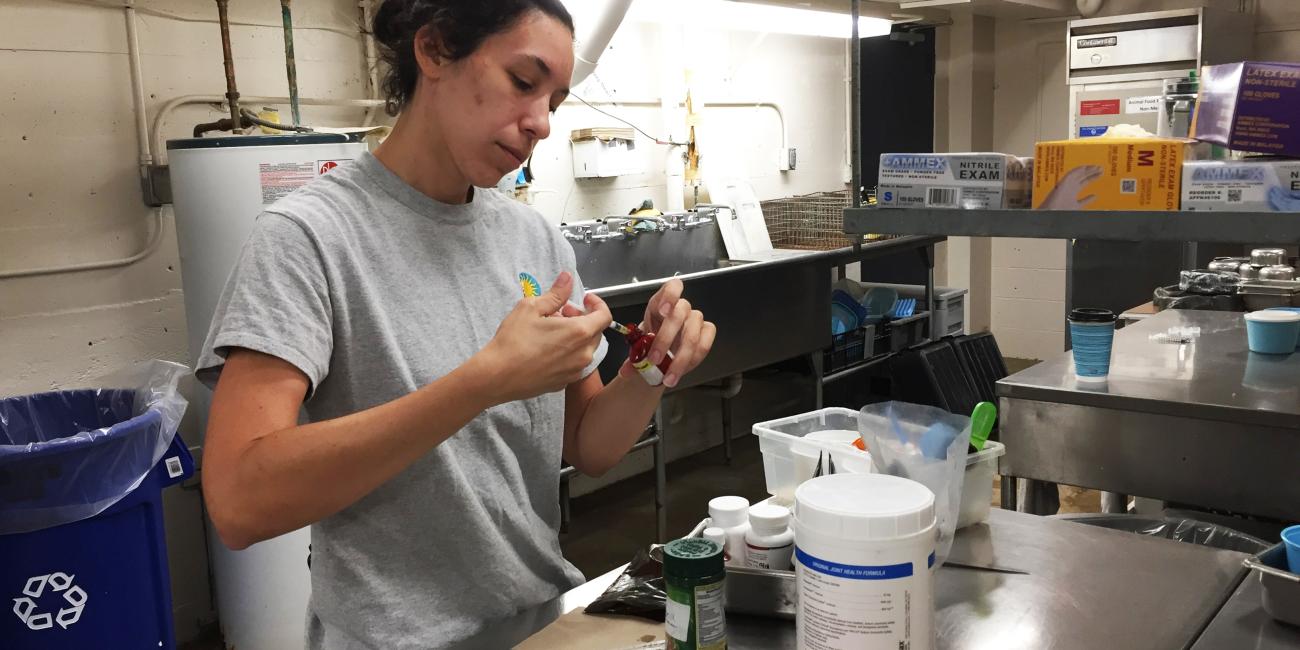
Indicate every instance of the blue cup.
{"type": "Point", "coordinates": [1291, 538]}
{"type": "Point", "coordinates": [1272, 331]}
{"type": "Point", "coordinates": [1092, 334]}
{"type": "Point", "coordinates": [1294, 310]}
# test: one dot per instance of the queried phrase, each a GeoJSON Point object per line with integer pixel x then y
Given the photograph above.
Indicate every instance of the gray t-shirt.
{"type": "Point", "coordinates": [374, 290]}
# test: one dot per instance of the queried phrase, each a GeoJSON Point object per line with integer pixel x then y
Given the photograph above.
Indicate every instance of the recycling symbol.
{"type": "Point", "coordinates": [75, 597]}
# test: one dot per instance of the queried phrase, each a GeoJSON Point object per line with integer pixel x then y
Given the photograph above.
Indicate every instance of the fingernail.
{"type": "Point", "coordinates": [665, 309]}
{"type": "Point", "coordinates": [656, 357]}
{"type": "Point", "coordinates": [670, 381]}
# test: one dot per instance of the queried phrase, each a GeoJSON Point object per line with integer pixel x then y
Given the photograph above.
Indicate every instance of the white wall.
{"type": "Point", "coordinates": [1031, 103]}
{"type": "Point", "coordinates": [803, 75]}
{"type": "Point", "coordinates": [70, 193]}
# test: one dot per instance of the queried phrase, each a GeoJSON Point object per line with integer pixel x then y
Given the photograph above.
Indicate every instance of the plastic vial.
{"type": "Point", "coordinates": [731, 514]}
{"type": "Point", "coordinates": [640, 343]}
{"type": "Point", "coordinates": [694, 579]}
{"type": "Point", "coordinates": [769, 544]}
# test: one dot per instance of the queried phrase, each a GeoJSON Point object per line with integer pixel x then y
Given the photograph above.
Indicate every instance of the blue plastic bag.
{"type": "Point", "coordinates": [69, 455]}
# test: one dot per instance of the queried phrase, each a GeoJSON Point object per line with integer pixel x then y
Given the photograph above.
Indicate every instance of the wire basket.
{"type": "Point", "coordinates": [809, 222]}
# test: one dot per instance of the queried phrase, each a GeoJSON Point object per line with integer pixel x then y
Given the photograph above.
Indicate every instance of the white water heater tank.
{"type": "Point", "coordinates": [219, 186]}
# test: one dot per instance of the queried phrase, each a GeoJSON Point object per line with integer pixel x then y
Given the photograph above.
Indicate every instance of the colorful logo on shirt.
{"type": "Point", "coordinates": [532, 288]}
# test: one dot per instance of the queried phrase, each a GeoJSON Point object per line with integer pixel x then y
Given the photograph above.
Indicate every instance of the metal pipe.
{"type": "Point", "coordinates": [155, 130]}
{"type": "Point", "coordinates": [250, 117]}
{"type": "Point", "coordinates": [154, 240]}
{"type": "Point", "coordinates": [290, 65]}
{"type": "Point", "coordinates": [855, 110]}
{"type": "Point", "coordinates": [372, 68]}
{"type": "Point", "coordinates": [776, 108]}
{"type": "Point", "coordinates": [137, 88]}
{"type": "Point", "coordinates": [232, 93]}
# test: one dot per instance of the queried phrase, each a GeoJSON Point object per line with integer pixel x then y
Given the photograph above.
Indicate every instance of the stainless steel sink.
{"type": "Point", "coordinates": [765, 312]}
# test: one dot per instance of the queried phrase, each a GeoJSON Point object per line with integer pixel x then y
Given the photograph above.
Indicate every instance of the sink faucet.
{"type": "Point", "coordinates": [589, 234]}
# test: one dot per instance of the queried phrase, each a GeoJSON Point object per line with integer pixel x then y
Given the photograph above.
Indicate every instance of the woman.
{"type": "Point", "coordinates": [385, 298]}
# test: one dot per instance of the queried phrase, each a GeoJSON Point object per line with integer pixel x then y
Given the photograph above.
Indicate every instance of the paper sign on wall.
{"type": "Point", "coordinates": [1148, 104]}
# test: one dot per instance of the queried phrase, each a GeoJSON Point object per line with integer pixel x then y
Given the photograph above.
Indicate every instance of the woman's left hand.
{"type": "Point", "coordinates": [677, 327]}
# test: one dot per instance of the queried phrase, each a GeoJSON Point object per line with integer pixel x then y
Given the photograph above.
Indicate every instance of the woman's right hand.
{"type": "Point", "coordinates": [535, 351]}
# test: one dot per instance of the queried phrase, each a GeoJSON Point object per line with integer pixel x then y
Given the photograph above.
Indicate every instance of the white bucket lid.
{"type": "Point", "coordinates": [1273, 316]}
{"type": "Point", "coordinates": [864, 507]}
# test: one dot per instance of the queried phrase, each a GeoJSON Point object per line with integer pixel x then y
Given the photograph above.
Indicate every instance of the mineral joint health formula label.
{"type": "Point", "coordinates": [853, 607]}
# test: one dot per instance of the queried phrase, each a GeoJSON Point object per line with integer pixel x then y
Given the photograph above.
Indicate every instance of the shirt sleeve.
{"type": "Point", "coordinates": [276, 301]}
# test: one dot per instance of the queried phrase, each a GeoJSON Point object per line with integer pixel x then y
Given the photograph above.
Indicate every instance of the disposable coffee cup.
{"type": "Point", "coordinates": [1092, 333]}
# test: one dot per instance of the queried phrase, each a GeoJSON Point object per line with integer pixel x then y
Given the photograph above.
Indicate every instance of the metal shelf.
{"type": "Point", "coordinates": [1219, 227]}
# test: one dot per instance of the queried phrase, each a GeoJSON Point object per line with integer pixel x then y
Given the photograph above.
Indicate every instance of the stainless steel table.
{"type": "Point", "coordinates": [1206, 423]}
{"type": "Point", "coordinates": [1243, 623]}
{"type": "Point", "coordinates": [1083, 588]}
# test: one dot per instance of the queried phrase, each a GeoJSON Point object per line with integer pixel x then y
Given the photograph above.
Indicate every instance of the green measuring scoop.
{"type": "Point", "coordinates": [981, 423]}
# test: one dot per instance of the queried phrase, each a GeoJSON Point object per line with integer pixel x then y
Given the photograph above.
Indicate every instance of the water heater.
{"type": "Point", "coordinates": [220, 185]}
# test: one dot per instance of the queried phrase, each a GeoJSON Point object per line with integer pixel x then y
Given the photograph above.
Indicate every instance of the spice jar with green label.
{"type": "Point", "coordinates": [695, 575]}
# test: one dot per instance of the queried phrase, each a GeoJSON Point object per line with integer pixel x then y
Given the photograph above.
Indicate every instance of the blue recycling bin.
{"type": "Point", "coordinates": [83, 559]}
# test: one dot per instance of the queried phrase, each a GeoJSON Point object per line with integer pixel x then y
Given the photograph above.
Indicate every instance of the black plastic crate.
{"type": "Point", "coordinates": [932, 374]}
{"type": "Point", "coordinates": [848, 349]}
{"type": "Point", "coordinates": [901, 334]}
{"type": "Point", "coordinates": [982, 358]}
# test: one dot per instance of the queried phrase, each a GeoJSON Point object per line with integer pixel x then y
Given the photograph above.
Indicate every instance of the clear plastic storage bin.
{"type": "Point", "coordinates": [977, 486]}
{"type": "Point", "coordinates": [790, 457]}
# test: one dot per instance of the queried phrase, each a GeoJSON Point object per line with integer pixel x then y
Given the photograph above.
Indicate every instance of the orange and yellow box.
{"type": "Point", "coordinates": [1109, 174]}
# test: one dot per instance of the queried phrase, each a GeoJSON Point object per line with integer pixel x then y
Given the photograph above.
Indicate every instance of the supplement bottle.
{"type": "Point", "coordinates": [731, 514]}
{"type": "Point", "coordinates": [694, 579]}
{"type": "Point", "coordinates": [769, 544]}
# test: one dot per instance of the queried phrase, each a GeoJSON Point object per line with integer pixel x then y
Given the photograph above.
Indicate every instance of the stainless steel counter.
{"type": "Point", "coordinates": [1084, 588]}
{"type": "Point", "coordinates": [1206, 423]}
{"type": "Point", "coordinates": [1243, 623]}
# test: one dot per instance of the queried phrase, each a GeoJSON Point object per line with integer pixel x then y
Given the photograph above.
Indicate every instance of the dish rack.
{"type": "Point", "coordinates": [810, 222]}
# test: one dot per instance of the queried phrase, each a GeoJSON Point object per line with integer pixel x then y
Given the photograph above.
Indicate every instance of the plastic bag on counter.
{"type": "Point", "coordinates": [639, 591]}
{"type": "Point", "coordinates": [1172, 297]}
{"type": "Point", "coordinates": [1209, 283]}
{"type": "Point", "coordinates": [1189, 531]}
{"type": "Point", "coordinates": [69, 455]}
{"type": "Point", "coordinates": [927, 445]}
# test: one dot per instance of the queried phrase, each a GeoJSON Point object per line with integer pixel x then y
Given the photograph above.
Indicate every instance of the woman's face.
{"type": "Point", "coordinates": [494, 105]}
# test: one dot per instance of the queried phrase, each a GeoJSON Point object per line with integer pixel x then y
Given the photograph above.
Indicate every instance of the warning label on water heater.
{"type": "Point", "coordinates": [279, 179]}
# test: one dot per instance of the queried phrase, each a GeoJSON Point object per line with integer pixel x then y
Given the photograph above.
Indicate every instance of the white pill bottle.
{"type": "Point", "coordinates": [864, 559]}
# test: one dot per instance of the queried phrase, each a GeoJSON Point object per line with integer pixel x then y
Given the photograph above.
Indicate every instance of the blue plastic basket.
{"type": "Point", "coordinates": [101, 582]}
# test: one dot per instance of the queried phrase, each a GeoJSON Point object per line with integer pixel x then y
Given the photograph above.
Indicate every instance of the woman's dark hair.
{"type": "Point", "coordinates": [461, 25]}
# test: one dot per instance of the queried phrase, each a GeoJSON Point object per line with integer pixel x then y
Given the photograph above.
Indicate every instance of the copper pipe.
{"type": "Point", "coordinates": [232, 94]}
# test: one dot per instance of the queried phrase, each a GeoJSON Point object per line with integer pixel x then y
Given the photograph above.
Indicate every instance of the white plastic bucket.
{"type": "Point", "coordinates": [864, 559]}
